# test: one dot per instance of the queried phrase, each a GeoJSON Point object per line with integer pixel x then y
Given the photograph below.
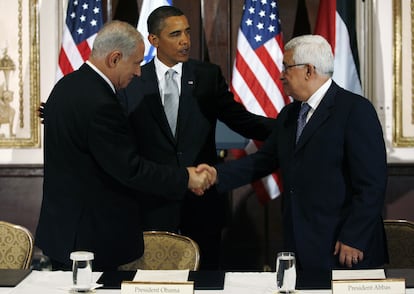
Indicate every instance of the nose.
{"type": "Point", "coordinates": [282, 75]}
{"type": "Point", "coordinates": [185, 38]}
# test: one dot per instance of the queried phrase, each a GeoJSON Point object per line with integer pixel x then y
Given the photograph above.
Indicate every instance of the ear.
{"type": "Point", "coordinates": [113, 58]}
{"type": "Point", "coordinates": [310, 70]}
{"type": "Point", "coordinates": [153, 39]}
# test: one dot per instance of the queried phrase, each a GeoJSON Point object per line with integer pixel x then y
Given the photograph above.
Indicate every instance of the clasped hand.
{"type": "Point", "coordinates": [201, 178]}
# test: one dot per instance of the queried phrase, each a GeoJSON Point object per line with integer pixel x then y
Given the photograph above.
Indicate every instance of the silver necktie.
{"type": "Point", "coordinates": [171, 99]}
{"type": "Point", "coordinates": [303, 113]}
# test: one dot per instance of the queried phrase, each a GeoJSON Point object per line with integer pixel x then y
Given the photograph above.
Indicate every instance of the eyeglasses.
{"type": "Point", "coordinates": [285, 67]}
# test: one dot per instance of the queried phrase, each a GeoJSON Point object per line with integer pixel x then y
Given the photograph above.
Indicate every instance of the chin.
{"type": "Point", "coordinates": [287, 92]}
{"type": "Point", "coordinates": [183, 58]}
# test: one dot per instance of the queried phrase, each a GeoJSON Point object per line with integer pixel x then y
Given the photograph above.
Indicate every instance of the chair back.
{"type": "Point", "coordinates": [400, 239]}
{"type": "Point", "coordinates": [166, 251]}
{"type": "Point", "coordinates": [16, 246]}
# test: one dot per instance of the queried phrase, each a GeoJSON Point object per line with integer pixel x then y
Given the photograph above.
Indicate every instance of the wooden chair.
{"type": "Point", "coordinates": [400, 239]}
{"type": "Point", "coordinates": [16, 246]}
{"type": "Point", "coordinates": [166, 251]}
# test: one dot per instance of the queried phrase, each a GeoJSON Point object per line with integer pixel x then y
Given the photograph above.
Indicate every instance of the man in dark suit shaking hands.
{"type": "Point", "coordinates": [333, 171]}
{"type": "Point", "coordinates": [204, 98]}
{"type": "Point", "coordinates": [92, 168]}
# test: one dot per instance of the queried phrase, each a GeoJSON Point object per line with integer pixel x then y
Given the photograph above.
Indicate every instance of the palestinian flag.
{"type": "Point", "coordinates": [336, 22]}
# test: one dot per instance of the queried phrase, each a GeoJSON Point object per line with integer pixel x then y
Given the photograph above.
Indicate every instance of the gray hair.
{"type": "Point", "coordinates": [116, 35]}
{"type": "Point", "coordinates": [315, 50]}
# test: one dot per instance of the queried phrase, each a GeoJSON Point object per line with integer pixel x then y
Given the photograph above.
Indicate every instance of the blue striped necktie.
{"type": "Point", "coordinates": [303, 113]}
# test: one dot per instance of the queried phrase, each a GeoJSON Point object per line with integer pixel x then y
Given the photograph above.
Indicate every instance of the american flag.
{"type": "Point", "coordinates": [83, 21]}
{"type": "Point", "coordinates": [255, 80]}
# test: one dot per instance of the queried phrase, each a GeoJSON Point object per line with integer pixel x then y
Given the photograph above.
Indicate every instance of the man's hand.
{"type": "Point", "coordinates": [211, 174]}
{"type": "Point", "coordinates": [41, 111]}
{"type": "Point", "coordinates": [198, 182]}
{"type": "Point", "coordinates": [211, 170]}
{"type": "Point", "coordinates": [348, 255]}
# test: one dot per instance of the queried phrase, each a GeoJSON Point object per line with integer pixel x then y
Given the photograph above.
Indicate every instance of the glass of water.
{"type": "Point", "coordinates": [286, 272]}
{"type": "Point", "coordinates": [82, 270]}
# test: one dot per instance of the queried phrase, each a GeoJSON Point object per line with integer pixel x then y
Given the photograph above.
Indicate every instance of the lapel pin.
{"type": "Point", "coordinates": [190, 82]}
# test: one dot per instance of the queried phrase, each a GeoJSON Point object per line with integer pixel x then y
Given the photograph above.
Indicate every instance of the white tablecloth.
{"type": "Point", "coordinates": [57, 282]}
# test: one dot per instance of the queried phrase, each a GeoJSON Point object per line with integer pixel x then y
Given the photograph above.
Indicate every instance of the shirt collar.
{"type": "Point", "coordinates": [101, 74]}
{"type": "Point", "coordinates": [316, 97]}
{"type": "Point", "coordinates": [161, 68]}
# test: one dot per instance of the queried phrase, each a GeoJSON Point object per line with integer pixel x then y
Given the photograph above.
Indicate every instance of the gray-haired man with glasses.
{"type": "Point", "coordinates": [334, 171]}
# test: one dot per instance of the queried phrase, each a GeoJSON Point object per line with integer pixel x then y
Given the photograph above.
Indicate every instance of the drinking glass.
{"type": "Point", "coordinates": [82, 270]}
{"type": "Point", "coordinates": [286, 272]}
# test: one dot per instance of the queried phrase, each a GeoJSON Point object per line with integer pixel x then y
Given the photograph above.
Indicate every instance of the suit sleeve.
{"type": "Point", "coordinates": [235, 115]}
{"type": "Point", "coordinates": [365, 155]}
{"type": "Point", "coordinates": [113, 147]}
{"type": "Point", "coordinates": [236, 173]}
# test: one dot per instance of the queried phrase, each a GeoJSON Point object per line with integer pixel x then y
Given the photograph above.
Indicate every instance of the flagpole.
{"type": "Point", "coordinates": [202, 33]}
{"type": "Point", "coordinates": [364, 21]}
{"type": "Point", "coordinates": [108, 10]}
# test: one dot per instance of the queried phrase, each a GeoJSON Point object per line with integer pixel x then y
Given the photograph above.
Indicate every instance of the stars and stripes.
{"type": "Point", "coordinates": [83, 21]}
{"type": "Point", "coordinates": [255, 80]}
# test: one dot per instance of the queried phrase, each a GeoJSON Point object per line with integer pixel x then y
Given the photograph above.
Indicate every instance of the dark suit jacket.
{"type": "Point", "coordinates": [334, 179]}
{"type": "Point", "coordinates": [204, 98]}
{"type": "Point", "coordinates": [91, 165]}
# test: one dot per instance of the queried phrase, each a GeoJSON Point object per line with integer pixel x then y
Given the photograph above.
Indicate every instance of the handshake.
{"type": "Point", "coordinates": [201, 178]}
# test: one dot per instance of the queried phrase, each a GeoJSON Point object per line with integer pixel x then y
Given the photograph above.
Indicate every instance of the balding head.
{"type": "Point", "coordinates": [117, 52]}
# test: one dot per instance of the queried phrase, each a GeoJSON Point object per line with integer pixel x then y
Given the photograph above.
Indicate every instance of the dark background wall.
{"type": "Point", "coordinates": [253, 233]}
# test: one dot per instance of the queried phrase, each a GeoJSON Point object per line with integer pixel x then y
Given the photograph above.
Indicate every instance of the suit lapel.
{"type": "Point", "coordinates": [290, 124]}
{"type": "Point", "coordinates": [321, 114]}
{"type": "Point", "coordinates": [153, 98]}
{"type": "Point", "coordinates": [188, 83]}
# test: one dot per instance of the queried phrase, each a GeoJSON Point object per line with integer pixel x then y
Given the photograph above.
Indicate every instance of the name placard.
{"type": "Point", "coordinates": [131, 287]}
{"type": "Point", "coordinates": [384, 286]}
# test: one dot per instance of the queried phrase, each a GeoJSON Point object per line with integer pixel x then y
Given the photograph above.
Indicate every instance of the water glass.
{"type": "Point", "coordinates": [82, 270]}
{"type": "Point", "coordinates": [286, 272]}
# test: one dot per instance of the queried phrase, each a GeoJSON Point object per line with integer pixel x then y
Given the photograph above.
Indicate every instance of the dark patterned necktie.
{"type": "Point", "coordinates": [303, 113]}
{"type": "Point", "coordinates": [171, 99]}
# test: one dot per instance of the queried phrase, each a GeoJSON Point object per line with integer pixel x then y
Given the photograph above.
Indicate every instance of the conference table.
{"type": "Point", "coordinates": [48, 282]}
